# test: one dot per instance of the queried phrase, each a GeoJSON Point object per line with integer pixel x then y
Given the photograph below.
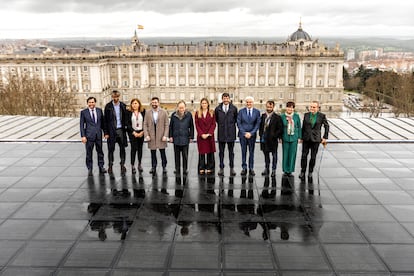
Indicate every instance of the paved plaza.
{"type": "Point", "coordinates": [54, 220]}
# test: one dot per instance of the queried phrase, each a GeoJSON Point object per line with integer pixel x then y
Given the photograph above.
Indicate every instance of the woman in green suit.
{"type": "Point", "coordinates": [292, 133]}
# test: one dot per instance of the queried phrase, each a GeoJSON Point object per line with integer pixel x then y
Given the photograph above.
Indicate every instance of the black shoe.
{"type": "Point", "coordinates": [265, 172]}
{"type": "Point", "coordinates": [185, 173]}
{"type": "Point", "coordinates": [133, 170]}
{"type": "Point", "coordinates": [90, 172]}
{"type": "Point", "coordinates": [221, 172]}
{"type": "Point", "coordinates": [243, 172]}
{"type": "Point", "coordinates": [102, 171]}
{"type": "Point", "coordinates": [310, 176]}
{"type": "Point", "coordinates": [302, 175]}
{"type": "Point", "coordinates": [252, 173]}
{"type": "Point", "coordinates": [273, 173]}
{"type": "Point", "coordinates": [110, 170]}
{"type": "Point", "coordinates": [232, 172]}
{"type": "Point", "coordinates": [140, 168]}
{"type": "Point", "coordinates": [164, 170]}
{"type": "Point", "coordinates": [152, 171]}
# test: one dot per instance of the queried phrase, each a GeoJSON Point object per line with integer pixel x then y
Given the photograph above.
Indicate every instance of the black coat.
{"type": "Point", "coordinates": [313, 134]}
{"type": "Point", "coordinates": [129, 122]}
{"type": "Point", "coordinates": [269, 137]}
{"type": "Point", "coordinates": [182, 130]}
{"type": "Point", "coordinates": [110, 122]}
{"type": "Point", "coordinates": [226, 123]}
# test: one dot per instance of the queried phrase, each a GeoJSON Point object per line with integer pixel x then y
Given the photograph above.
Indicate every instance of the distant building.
{"type": "Point", "coordinates": [300, 69]}
{"type": "Point", "coordinates": [350, 54]}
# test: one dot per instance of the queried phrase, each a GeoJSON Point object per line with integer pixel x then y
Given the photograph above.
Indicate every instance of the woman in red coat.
{"type": "Point", "coordinates": [205, 124]}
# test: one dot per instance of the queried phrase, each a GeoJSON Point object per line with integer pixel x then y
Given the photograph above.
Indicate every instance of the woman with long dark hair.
{"type": "Point", "coordinates": [135, 123]}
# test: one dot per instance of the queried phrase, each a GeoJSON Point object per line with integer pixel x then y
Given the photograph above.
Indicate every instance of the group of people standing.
{"type": "Point", "coordinates": [117, 121]}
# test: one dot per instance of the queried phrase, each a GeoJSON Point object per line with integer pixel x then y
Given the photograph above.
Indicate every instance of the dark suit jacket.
{"type": "Point", "coordinates": [313, 134]}
{"type": "Point", "coordinates": [269, 136]}
{"type": "Point", "coordinates": [247, 124]}
{"type": "Point", "coordinates": [88, 128]}
{"type": "Point", "coordinates": [226, 123]}
{"type": "Point", "coordinates": [110, 122]}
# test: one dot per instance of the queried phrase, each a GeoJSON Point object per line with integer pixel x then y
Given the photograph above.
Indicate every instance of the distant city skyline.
{"type": "Point", "coordinates": [30, 19]}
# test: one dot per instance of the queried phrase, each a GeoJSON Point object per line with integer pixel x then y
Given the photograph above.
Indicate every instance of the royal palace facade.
{"type": "Point", "coordinates": [300, 69]}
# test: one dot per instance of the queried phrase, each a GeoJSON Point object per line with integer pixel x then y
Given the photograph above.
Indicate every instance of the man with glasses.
{"type": "Point", "coordinates": [311, 137]}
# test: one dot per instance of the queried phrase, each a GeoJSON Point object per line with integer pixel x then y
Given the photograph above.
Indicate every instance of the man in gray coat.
{"type": "Point", "coordinates": [226, 118]}
{"type": "Point", "coordinates": [156, 126]}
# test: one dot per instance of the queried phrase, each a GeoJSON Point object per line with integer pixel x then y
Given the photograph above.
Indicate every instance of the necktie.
{"type": "Point", "coordinates": [250, 113]}
{"type": "Point", "coordinates": [93, 115]}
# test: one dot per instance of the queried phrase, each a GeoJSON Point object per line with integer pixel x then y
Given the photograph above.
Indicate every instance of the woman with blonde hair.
{"type": "Point", "coordinates": [135, 129]}
{"type": "Point", "coordinates": [205, 122]}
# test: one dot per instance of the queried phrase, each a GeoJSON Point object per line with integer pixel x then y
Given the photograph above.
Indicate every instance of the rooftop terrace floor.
{"type": "Point", "coordinates": [55, 220]}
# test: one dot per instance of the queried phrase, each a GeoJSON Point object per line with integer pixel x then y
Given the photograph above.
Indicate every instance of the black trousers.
{"type": "Point", "coordinates": [267, 159]}
{"type": "Point", "coordinates": [181, 151]}
{"type": "Point", "coordinates": [313, 148]}
{"type": "Point", "coordinates": [206, 161]}
{"type": "Point", "coordinates": [230, 146]}
{"type": "Point", "coordinates": [154, 158]}
{"type": "Point", "coordinates": [119, 139]}
{"type": "Point", "coordinates": [136, 148]}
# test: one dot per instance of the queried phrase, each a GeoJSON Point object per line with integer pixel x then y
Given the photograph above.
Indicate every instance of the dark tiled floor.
{"type": "Point", "coordinates": [54, 220]}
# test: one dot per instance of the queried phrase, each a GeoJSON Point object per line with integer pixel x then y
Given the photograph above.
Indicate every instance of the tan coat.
{"type": "Point", "coordinates": [156, 133]}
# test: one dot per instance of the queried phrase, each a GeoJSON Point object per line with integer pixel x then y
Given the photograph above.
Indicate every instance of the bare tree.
{"type": "Point", "coordinates": [25, 95]}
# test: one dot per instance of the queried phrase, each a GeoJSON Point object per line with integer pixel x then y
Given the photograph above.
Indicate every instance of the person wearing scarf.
{"type": "Point", "coordinates": [181, 134]}
{"type": "Point", "coordinates": [311, 135]}
{"type": "Point", "coordinates": [292, 133]}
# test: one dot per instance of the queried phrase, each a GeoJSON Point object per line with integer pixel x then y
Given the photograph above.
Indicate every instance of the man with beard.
{"type": "Point", "coordinates": [156, 127]}
{"type": "Point", "coordinates": [270, 131]}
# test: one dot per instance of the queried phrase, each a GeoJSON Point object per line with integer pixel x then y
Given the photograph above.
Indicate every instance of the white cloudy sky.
{"type": "Point", "coordinates": [119, 18]}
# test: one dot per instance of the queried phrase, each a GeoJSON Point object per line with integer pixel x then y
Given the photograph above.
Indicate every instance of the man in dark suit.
{"type": "Point", "coordinates": [270, 131]}
{"type": "Point", "coordinates": [226, 118]}
{"type": "Point", "coordinates": [311, 136]}
{"type": "Point", "coordinates": [248, 122]}
{"type": "Point", "coordinates": [115, 130]}
{"type": "Point", "coordinates": [91, 126]}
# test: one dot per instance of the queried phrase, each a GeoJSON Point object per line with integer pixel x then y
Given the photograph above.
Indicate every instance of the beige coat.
{"type": "Point", "coordinates": [156, 133]}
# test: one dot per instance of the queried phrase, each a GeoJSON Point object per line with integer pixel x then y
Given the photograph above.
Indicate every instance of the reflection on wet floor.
{"type": "Point", "coordinates": [237, 207]}
{"type": "Point", "coordinates": [354, 218]}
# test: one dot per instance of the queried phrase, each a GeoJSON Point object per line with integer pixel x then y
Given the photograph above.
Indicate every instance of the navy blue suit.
{"type": "Point", "coordinates": [250, 124]}
{"type": "Point", "coordinates": [93, 133]}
